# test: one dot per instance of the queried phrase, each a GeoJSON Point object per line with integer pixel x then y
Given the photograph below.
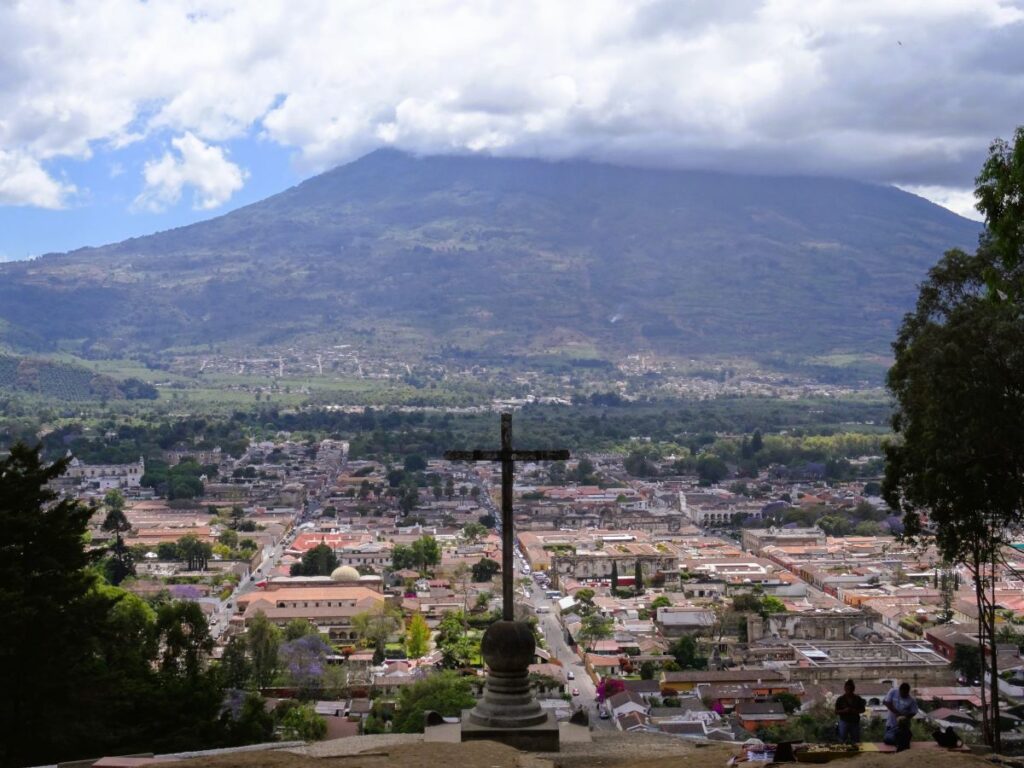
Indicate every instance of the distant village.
{"type": "Point", "coordinates": [308, 364]}
{"type": "Point", "coordinates": [661, 604]}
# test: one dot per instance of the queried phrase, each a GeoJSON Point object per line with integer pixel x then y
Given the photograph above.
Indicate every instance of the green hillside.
{"type": "Point", "coordinates": [473, 254]}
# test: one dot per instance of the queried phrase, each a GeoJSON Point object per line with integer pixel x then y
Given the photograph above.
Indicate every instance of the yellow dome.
{"type": "Point", "coordinates": [345, 573]}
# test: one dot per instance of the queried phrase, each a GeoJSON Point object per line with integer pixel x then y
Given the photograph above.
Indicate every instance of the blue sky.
{"type": "Point", "coordinates": [104, 210]}
{"type": "Point", "coordinates": [123, 117]}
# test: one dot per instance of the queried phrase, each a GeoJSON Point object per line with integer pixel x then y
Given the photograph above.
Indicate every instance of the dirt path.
{"type": "Point", "coordinates": [608, 750]}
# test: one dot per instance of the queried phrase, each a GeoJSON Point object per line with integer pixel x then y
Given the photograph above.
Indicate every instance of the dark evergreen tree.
{"type": "Point", "coordinates": [121, 564]}
{"type": "Point", "coordinates": [88, 668]}
{"type": "Point", "coordinates": [318, 561]}
{"type": "Point", "coordinates": [235, 667]}
{"type": "Point", "coordinates": [52, 615]}
{"type": "Point", "coordinates": [484, 569]}
{"type": "Point", "coordinates": [756, 442]}
{"type": "Point", "coordinates": [195, 552]}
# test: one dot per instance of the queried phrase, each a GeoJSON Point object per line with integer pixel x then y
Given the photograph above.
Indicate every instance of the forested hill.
{"type": "Point", "coordinates": [476, 253]}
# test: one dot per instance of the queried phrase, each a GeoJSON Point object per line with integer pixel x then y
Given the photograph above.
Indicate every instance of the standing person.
{"type": "Point", "coordinates": [902, 707]}
{"type": "Point", "coordinates": [849, 708]}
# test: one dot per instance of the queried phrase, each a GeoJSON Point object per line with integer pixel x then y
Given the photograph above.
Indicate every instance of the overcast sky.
{"type": "Point", "coordinates": [120, 117]}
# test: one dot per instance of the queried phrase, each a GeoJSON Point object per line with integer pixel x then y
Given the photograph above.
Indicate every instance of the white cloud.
{"type": "Point", "coordinates": [959, 200]}
{"type": "Point", "coordinates": [204, 168]}
{"type": "Point", "coordinates": [24, 182]}
{"type": "Point", "coordinates": [910, 91]}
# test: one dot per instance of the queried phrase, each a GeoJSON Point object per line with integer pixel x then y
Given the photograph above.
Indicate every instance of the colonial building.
{"type": "Point", "coordinates": [756, 539]}
{"type": "Point", "coordinates": [330, 608]}
{"type": "Point", "coordinates": [107, 476]}
{"type": "Point", "coordinates": [821, 625]}
{"type": "Point", "coordinates": [597, 565]}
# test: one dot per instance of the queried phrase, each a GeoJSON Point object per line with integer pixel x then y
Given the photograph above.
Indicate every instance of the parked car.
{"type": "Point", "coordinates": [571, 675]}
{"type": "Point", "coordinates": [575, 691]}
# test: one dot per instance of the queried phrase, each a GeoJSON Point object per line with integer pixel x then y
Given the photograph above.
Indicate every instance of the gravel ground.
{"type": "Point", "coordinates": [607, 750]}
{"type": "Point", "coordinates": [352, 746]}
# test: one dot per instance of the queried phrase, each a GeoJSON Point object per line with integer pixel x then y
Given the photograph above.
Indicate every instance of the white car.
{"type": "Point", "coordinates": [570, 675]}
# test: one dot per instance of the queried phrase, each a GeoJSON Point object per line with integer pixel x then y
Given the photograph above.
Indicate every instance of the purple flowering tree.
{"type": "Point", "coordinates": [305, 661]}
{"type": "Point", "coordinates": [185, 592]}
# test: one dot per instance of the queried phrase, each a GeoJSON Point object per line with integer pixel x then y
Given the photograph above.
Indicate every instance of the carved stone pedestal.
{"type": "Point", "coordinates": [509, 712]}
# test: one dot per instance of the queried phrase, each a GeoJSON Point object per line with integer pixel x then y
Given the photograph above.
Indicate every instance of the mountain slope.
{"type": "Point", "coordinates": [491, 254]}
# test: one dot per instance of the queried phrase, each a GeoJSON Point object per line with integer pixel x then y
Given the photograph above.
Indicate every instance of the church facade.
{"type": "Point", "coordinates": [107, 476]}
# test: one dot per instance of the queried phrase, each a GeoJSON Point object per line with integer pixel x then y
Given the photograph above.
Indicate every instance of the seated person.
{"type": "Point", "coordinates": [902, 708]}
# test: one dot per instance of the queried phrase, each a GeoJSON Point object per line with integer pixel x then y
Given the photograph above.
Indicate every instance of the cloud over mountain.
{"type": "Point", "coordinates": [908, 92]}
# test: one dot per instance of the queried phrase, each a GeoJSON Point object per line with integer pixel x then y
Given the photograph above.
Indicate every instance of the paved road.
{"type": "Point", "coordinates": [222, 616]}
{"type": "Point", "coordinates": [554, 639]}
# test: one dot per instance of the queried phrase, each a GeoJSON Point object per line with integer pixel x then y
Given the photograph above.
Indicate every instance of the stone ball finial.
{"type": "Point", "coordinates": [508, 646]}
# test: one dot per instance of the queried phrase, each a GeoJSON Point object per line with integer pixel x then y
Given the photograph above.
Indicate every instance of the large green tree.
{"type": "Point", "coordinates": [426, 552]}
{"type": "Point", "coordinates": [300, 721]}
{"type": "Point", "coordinates": [88, 668]}
{"type": "Point", "coordinates": [51, 612]}
{"type": "Point", "coordinates": [235, 666]}
{"type": "Point", "coordinates": [421, 554]}
{"type": "Point", "coordinates": [195, 552]}
{"type": "Point", "coordinates": [473, 531]}
{"type": "Point", "coordinates": [417, 637]}
{"type": "Point", "coordinates": [484, 569]}
{"type": "Point", "coordinates": [316, 561]}
{"type": "Point", "coordinates": [264, 640]}
{"type": "Point", "coordinates": [594, 627]}
{"type": "Point", "coordinates": [445, 692]}
{"type": "Point", "coordinates": [687, 653]}
{"type": "Point", "coordinates": [376, 626]}
{"type": "Point", "coordinates": [121, 564]}
{"type": "Point", "coordinates": [1000, 194]}
{"type": "Point", "coordinates": [408, 498]}
{"type": "Point", "coordinates": [956, 469]}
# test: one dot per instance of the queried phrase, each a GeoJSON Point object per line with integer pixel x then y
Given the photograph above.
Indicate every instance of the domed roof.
{"type": "Point", "coordinates": [345, 573]}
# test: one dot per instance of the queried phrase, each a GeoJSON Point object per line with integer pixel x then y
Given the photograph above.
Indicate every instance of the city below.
{"type": "Point", "coordinates": [664, 602]}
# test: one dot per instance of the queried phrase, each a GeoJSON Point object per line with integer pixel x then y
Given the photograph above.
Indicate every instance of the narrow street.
{"type": "Point", "coordinates": [554, 639]}
{"type": "Point", "coordinates": [221, 618]}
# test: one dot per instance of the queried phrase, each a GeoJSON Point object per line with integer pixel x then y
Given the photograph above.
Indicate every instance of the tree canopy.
{"type": "Point", "coordinates": [956, 470]}
{"type": "Point", "coordinates": [594, 627]}
{"type": "Point", "coordinates": [421, 554]}
{"type": "Point", "coordinates": [316, 561]}
{"type": "Point", "coordinates": [87, 667]}
{"type": "Point", "coordinates": [445, 692]}
{"type": "Point", "coordinates": [686, 653]}
{"type": "Point", "coordinates": [484, 569]}
{"type": "Point", "coordinates": [417, 637]}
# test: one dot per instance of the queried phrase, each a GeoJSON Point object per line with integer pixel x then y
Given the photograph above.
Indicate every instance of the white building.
{"type": "Point", "coordinates": [107, 476]}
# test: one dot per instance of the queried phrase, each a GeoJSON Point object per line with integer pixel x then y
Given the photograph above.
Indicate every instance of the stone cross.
{"type": "Point", "coordinates": [507, 456]}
